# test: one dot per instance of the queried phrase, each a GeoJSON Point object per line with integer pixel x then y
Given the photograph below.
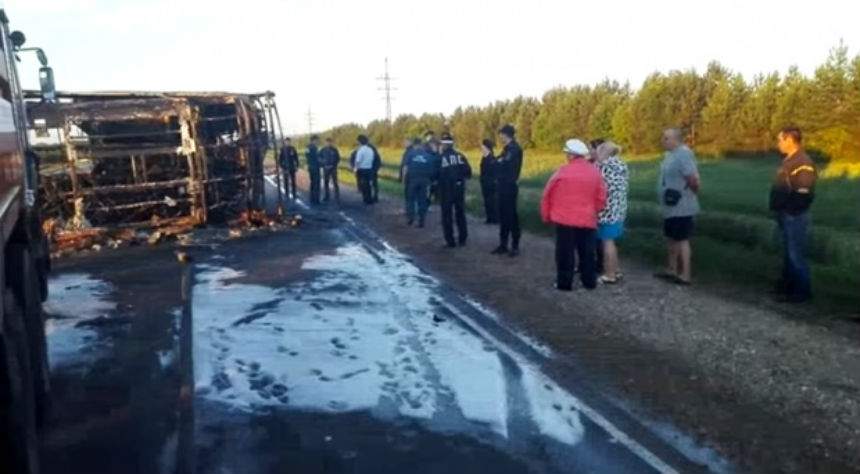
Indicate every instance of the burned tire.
{"type": "Point", "coordinates": [18, 435]}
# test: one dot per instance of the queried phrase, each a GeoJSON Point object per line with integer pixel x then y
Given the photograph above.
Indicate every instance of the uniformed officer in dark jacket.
{"type": "Point", "coordinates": [330, 159]}
{"type": "Point", "coordinates": [420, 169]}
{"type": "Point", "coordinates": [289, 161]}
{"type": "Point", "coordinates": [488, 182]}
{"type": "Point", "coordinates": [312, 155]}
{"type": "Point", "coordinates": [508, 166]}
{"type": "Point", "coordinates": [791, 196]}
{"type": "Point", "coordinates": [454, 170]}
{"type": "Point", "coordinates": [374, 177]}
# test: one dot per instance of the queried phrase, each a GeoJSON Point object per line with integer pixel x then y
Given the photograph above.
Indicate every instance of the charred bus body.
{"type": "Point", "coordinates": [115, 161]}
{"type": "Point", "coordinates": [23, 351]}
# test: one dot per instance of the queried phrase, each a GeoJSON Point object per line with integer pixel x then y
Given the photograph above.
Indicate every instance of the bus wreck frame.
{"type": "Point", "coordinates": [120, 160]}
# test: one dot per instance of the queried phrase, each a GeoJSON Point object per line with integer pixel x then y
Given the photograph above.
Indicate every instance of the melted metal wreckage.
{"type": "Point", "coordinates": [120, 166]}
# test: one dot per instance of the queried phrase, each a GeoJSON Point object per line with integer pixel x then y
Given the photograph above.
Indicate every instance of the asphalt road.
{"type": "Point", "coordinates": [321, 350]}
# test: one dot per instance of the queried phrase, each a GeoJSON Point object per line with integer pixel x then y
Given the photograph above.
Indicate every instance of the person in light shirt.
{"type": "Point", "coordinates": [363, 168]}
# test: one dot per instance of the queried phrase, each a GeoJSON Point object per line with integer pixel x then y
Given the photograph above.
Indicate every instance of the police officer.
{"type": "Point", "coordinates": [289, 161]}
{"type": "Point", "coordinates": [454, 170]}
{"type": "Point", "coordinates": [312, 155]}
{"type": "Point", "coordinates": [330, 159]}
{"type": "Point", "coordinates": [374, 176]}
{"type": "Point", "coordinates": [420, 169]}
{"type": "Point", "coordinates": [508, 167]}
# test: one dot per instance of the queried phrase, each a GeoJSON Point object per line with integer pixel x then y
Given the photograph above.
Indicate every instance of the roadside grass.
{"type": "Point", "coordinates": [736, 241]}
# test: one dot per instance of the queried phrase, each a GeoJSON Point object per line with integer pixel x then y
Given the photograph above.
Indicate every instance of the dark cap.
{"type": "Point", "coordinates": [508, 130]}
{"type": "Point", "coordinates": [362, 139]}
{"type": "Point", "coordinates": [488, 143]}
{"type": "Point", "coordinates": [446, 138]}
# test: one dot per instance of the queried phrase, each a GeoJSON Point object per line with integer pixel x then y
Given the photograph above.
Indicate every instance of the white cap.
{"type": "Point", "coordinates": [576, 147]}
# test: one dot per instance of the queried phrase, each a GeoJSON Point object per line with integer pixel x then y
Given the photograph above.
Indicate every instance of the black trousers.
{"type": "Point", "coordinates": [330, 177]}
{"type": "Point", "coordinates": [365, 178]}
{"type": "Point", "coordinates": [453, 203]}
{"type": "Point", "coordinates": [509, 220]}
{"type": "Point", "coordinates": [315, 185]}
{"type": "Point", "coordinates": [491, 201]}
{"type": "Point", "coordinates": [374, 184]}
{"type": "Point", "coordinates": [572, 242]}
{"type": "Point", "coordinates": [290, 188]}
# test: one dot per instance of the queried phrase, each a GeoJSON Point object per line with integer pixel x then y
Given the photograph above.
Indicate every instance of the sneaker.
{"type": "Point", "coordinates": [563, 288]}
{"type": "Point", "coordinates": [514, 252]}
{"type": "Point", "coordinates": [499, 250]}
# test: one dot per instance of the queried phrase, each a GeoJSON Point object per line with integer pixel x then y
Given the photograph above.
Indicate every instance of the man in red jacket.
{"type": "Point", "coordinates": [571, 200]}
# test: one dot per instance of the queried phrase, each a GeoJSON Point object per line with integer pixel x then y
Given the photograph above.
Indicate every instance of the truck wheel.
{"type": "Point", "coordinates": [18, 438]}
{"type": "Point", "coordinates": [22, 274]}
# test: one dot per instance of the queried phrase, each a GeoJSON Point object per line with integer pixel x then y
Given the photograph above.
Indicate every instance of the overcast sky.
{"type": "Point", "coordinates": [326, 54]}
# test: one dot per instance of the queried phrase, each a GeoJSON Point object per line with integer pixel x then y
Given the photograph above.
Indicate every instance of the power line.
{"type": "Point", "coordinates": [310, 117]}
{"type": "Point", "coordinates": [386, 87]}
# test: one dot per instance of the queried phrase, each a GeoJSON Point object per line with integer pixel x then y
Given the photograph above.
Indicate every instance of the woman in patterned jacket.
{"type": "Point", "coordinates": [611, 219]}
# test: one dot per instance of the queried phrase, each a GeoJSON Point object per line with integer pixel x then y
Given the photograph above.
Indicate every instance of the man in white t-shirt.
{"type": "Point", "coordinates": [363, 168]}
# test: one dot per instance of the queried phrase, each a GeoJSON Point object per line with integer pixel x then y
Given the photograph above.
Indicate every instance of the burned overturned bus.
{"type": "Point", "coordinates": [126, 160]}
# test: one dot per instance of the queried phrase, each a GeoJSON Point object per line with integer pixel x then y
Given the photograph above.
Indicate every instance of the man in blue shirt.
{"type": "Point", "coordinates": [420, 169]}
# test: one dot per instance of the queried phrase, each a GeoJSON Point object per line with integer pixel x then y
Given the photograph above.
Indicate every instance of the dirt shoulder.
{"type": "Point", "coordinates": [771, 391]}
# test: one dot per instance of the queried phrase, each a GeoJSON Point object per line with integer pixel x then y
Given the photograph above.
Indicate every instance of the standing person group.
{"type": "Point", "coordinates": [586, 200]}
{"type": "Point", "coordinates": [321, 164]}
{"type": "Point", "coordinates": [436, 168]}
{"type": "Point", "coordinates": [571, 200]}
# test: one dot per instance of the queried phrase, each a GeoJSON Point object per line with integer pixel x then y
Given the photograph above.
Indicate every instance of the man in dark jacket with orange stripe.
{"type": "Point", "coordinates": [790, 198]}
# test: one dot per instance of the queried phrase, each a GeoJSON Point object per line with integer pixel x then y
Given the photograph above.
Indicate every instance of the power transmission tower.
{"type": "Point", "coordinates": [386, 87]}
{"type": "Point", "coordinates": [310, 117]}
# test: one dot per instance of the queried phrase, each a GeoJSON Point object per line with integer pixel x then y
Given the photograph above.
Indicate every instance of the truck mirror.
{"type": "Point", "coordinates": [46, 83]}
{"type": "Point", "coordinates": [18, 39]}
{"type": "Point", "coordinates": [43, 58]}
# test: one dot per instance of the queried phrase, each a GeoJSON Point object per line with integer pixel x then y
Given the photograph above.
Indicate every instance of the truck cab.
{"type": "Point", "coordinates": [24, 383]}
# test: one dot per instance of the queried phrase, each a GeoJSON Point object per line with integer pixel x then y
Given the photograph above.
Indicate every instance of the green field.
{"type": "Point", "coordinates": [736, 241]}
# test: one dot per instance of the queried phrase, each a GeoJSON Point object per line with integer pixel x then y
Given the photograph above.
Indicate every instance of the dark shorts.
{"type": "Point", "coordinates": [678, 228]}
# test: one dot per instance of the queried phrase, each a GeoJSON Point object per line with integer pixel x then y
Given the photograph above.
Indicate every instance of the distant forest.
{"type": "Point", "coordinates": [720, 111]}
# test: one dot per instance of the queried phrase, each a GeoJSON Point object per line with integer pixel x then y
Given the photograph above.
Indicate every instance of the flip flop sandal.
{"type": "Point", "coordinates": [664, 275]}
{"type": "Point", "coordinates": [606, 280]}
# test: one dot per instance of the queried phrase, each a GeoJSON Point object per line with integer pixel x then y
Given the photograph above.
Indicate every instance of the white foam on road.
{"type": "Point", "coordinates": [72, 298]}
{"type": "Point", "coordinates": [360, 335]}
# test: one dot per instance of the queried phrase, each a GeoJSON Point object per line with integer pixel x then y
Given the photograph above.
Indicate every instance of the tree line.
{"type": "Point", "coordinates": [719, 110]}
